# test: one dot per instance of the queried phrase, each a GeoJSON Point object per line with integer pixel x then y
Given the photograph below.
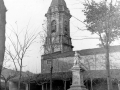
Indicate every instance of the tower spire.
{"type": "Point", "coordinates": [57, 3]}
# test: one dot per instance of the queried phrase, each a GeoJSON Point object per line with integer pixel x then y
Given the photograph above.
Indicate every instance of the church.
{"type": "Point", "coordinates": [59, 57]}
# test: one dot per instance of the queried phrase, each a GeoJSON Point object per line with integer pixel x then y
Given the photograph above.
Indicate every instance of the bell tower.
{"type": "Point", "coordinates": [58, 28]}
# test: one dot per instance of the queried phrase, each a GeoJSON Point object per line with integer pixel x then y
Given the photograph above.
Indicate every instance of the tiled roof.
{"type": "Point", "coordinates": [83, 52]}
{"type": "Point", "coordinates": [94, 51]}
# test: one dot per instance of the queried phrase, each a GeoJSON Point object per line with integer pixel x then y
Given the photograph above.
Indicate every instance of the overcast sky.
{"type": "Point", "coordinates": [32, 12]}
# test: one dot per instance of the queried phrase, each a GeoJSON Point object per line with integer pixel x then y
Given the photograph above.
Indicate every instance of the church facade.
{"type": "Point", "coordinates": [59, 55]}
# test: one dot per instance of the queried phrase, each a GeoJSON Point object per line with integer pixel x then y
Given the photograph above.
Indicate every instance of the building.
{"type": "Point", "coordinates": [92, 59]}
{"type": "Point", "coordinates": [59, 57]}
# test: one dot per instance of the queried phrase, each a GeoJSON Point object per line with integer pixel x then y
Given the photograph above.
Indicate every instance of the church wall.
{"type": "Point", "coordinates": [92, 62]}
{"type": "Point", "coordinates": [59, 65]}
{"type": "Point", "coordinates": [97, 61]}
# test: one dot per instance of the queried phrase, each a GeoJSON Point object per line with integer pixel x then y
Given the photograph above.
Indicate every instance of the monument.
{"type": "Point", "coordinates": [77, 77]}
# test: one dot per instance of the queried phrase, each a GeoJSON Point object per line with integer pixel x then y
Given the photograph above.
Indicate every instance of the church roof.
{"type": "Point", "coordinates": [83, 52]}
{"type": "Point", "coordinates": [115, 74]}
{"type": "Point", "coordinates": [57, 3]}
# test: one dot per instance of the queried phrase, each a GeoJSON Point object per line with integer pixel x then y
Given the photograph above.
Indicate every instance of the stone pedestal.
{"type": "Point", "coordinates": [77, 77]}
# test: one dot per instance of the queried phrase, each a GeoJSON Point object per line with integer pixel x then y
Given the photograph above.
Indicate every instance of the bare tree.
{"type": "Point", "coordinates": [18, 47]}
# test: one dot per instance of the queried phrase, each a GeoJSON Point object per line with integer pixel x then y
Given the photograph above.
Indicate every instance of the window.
{"type": "Point", "coordinates": [53, 26]}
{"type": "Point", "coordinates": [49, 62]}
{"type": "Point", "coordinates": [65, 28]}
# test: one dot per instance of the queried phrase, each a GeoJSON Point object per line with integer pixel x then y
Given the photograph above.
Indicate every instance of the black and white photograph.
{"type": "Point", "coordinates": [59, 44]}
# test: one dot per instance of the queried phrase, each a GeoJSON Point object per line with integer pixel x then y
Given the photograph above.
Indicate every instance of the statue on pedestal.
{"type": "Point", "coordinates": [77, 75]}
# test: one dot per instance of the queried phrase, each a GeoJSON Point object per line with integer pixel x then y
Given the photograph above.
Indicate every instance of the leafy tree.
{"type": "Point", "coordinates": [104, 20]}
{"type": "Point", "coordinates": [7, 75]}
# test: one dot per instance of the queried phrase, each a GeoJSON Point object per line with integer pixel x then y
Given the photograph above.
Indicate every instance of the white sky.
{"type": "Point", "coordinates": [33, 11]}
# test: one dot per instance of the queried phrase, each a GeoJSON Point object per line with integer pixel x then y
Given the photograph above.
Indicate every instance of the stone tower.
{"type": "Point", "coordinates": [58, 28]}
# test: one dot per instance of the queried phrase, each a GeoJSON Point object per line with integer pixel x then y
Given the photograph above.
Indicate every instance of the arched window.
{"type": "Point", "coordinates": [65, 28]}
{"type": "Point", "coordinates": [65, 25]}
{"type": "Point", "coordinates": [53, 26]}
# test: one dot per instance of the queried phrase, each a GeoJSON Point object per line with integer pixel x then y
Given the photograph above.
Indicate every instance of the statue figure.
{"type": "Point", "coordinates": [76, 59]}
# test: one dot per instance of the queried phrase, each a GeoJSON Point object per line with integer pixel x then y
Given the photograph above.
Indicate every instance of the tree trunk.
{"type": "Point", "coordinates": [51, 68]}
{"type": "Point", "coordinates": [42, 86]}
{"type": "Point", "coordinates": [91, 83]}
{"type": "Point", "coordinates": [46, 86]}
{"type": "Point", "coordinates": [108, 69]}
{"type": "Point", "coordinates": [0, 85]}
{"type": "Point", "coordinates": [19, 83]}
{"type": "Point", "coordinates": [5, 85]}
{"type": "Point", "coordinates": [65, 85]}
{"type": "Point", "coordinates": [29, 86]}
{"type": "Point", "coordinates": [109, 83]}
